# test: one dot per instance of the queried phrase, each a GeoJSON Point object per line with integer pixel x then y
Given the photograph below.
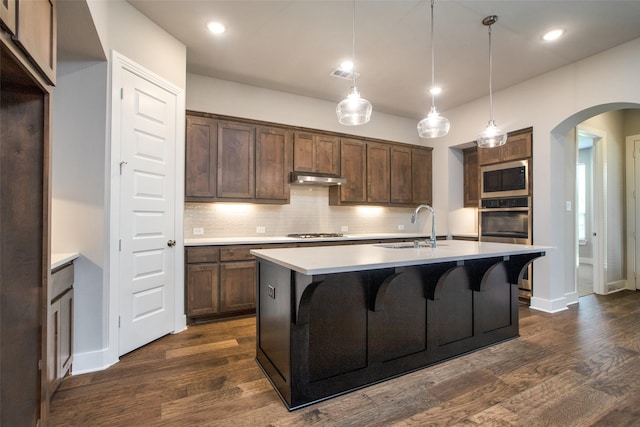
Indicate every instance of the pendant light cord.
{"type": "Point", "coordinates": [490, 79]}
{"type": "Point", "coordinates": [353, 43]}
{"type": "Point", "coordinates": [433, 67]}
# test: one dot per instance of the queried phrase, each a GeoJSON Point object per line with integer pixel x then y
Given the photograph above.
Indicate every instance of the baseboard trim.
{"type": "Point", "coordinates": [91, 361]}
{"type": "Point", "coordinates": [548, 306]}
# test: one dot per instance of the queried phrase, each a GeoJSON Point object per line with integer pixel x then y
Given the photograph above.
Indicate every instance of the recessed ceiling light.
{"type": "Point", "coordinates": [436, 90]}
{"type": "Point", "coordinates": [346, 66]}
{"type": "Point", "coordinates": [553, 35]}
{"type": "Point", "coordinates": [216, 27]}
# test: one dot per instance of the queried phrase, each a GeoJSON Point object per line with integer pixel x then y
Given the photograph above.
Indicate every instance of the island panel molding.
{"type": "Point", "coordinates": [324, 331]}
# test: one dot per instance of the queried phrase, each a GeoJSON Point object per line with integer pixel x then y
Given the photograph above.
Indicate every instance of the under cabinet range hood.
{"type": "Point", "coordinates": [302, 178]}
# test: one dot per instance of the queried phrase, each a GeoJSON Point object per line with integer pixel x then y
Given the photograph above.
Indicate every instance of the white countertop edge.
{"type": "Point", "coordinates": [58, 259]}
{"type": "Point", "coordinates": [351, 260]}
{"type": "Point", "coordinates": [205, 241]}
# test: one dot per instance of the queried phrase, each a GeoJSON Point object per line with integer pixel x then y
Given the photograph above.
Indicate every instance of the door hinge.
{"type": "Point", "coordinates": [118, 321]}
{"type": "Point", "coordinates": [120, 245]}
{"type": "Point", "coordinates": [121, 93]}
{"type": "Point", "coordinates": [40, 365]}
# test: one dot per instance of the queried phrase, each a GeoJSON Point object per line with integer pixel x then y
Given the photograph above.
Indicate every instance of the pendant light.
{"type": "Point", "coordinates": [492, 136]}
{"type": "Point", "coordinates": [434, 125]}
{"type": "Point", "coordinates": [354, 110]}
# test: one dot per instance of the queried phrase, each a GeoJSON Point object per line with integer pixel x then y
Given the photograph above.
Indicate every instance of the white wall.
{"type": "Point", "coordinates": [81, 171]}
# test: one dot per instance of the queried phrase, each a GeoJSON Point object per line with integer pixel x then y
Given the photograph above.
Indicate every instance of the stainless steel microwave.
{"type": "Point", "coordinates": [507, 179]}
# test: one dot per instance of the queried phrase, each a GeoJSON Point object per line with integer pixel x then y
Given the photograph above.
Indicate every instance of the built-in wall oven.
{"type": "Point", "coordinates": [507, 220]}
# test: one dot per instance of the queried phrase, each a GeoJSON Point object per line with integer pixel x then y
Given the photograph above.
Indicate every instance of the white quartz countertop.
{"type": "Point", "coordinates": [339, 259]}
{"type": "Point", "coordinates": [58, 259]}
{"type": "Point", "coordinates": [283, 239]}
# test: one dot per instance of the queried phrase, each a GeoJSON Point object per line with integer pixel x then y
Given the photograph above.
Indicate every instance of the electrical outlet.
{"type": "Point", "coordinates": [400, 226]}
{"type": "Point", "coordinates": [271, 291]}
{"type": "Point", "coordinates": [261, 229]}
{"type": "Point", "coordinates": [344, 228]}
{"type": "Point", "coordinates": [198, 231]}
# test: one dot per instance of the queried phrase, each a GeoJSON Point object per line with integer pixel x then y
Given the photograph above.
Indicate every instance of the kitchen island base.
{"type": "Point", "coordinates": [322, 335]}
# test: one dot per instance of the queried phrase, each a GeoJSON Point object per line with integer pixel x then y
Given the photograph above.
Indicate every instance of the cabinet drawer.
{"type": "Point", "coordinates": [237, 253]}
{"type": "Point", "coordinates": [61, 280]}
{"type": "Point", "coordinates": [202, 254]}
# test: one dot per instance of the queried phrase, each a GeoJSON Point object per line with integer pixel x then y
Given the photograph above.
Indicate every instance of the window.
{"type": "Point", "coordinates": [581, 177]}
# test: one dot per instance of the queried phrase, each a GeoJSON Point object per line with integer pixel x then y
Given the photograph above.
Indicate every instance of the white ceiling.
{"type": "Point", "coordinates": [293, 45]}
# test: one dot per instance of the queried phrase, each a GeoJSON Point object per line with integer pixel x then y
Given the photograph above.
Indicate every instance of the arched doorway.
{"type": "Point", "coordinates": [613, 262]}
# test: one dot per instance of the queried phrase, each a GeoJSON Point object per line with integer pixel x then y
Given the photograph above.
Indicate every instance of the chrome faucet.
{"type": "Point", "coordinates": [431, 242]}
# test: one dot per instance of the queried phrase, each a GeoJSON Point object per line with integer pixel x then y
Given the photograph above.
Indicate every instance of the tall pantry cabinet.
{"type": "Point", "coordinates": [27, 69]}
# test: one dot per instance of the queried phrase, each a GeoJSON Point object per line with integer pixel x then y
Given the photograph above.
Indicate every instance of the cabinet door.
{"type": "Point", "coordinates": [353, 167]}
{"type": "Point", "coordinates": [487, 156]}
{"type": "Point", "coordinates": [327, 154]}
{"type": "Point", "coordinates": [303, 152]}
{"type": "Point", "coordinates": [422, 181]}
{"type": "Point", "coordinates": [202, 289]}
{"type": "Point", "coordinates": [273, 163]}
{"type": "Point", "coordinates": [378, 176]}
{"type": "Point", "coordinates": [236, 161]}
{"type": "Point", "coordinates": [65, 334]}
{"type": "Point", "coordinates": [200, 155]}
{"type": "Point", "coordinates": [37, 34]}
{"type": "Point", "coordinates": [237, 286]}
{"type": "Point", "coordinates": [471, 178]}
{"type": "Point", "coordinates": [517, 147]}
{"type": "Point", "coordinates": [53, 353]}
{"type": "Point", "coordinates": [8, 15]}
{"type": "Point", "coordinates": [401, 191]}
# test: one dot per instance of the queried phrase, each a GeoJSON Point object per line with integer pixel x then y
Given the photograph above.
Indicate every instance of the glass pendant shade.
{"type": "Point", "coordinates": [434, 125]}
{"type": "Point", "coordinates": [491, 136]}
{"type": "Point", "coordinates": [354, 110]}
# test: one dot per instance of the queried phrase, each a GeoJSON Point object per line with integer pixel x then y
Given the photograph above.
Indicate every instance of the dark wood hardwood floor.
{"type": "Point", "coordinates": [579, 367]}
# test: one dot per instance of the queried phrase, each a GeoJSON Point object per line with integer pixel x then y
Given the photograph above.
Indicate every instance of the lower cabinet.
{"type": "Point", "coordinates": [220, 282]}
{"type": "Point", "coordinates": [60, 332]}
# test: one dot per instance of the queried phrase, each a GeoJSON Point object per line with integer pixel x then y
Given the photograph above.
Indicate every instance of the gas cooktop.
{"type": "Point", "coordinates": [314, 235]}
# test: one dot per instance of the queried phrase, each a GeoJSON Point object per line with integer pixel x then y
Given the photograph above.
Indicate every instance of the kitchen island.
{"type": "Point", "coordinates": [333, 319]}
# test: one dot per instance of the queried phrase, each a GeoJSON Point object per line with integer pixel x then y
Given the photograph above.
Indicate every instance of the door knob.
{"type": "Point", "coordinates": [171, 243]}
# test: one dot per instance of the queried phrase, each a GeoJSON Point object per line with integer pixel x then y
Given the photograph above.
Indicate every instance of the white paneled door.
{"type": "Point", "coordinates": [147, 209]}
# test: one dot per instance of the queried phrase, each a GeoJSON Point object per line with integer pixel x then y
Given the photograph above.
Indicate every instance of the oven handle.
{"type": "Point", "coordinates": [503, 209]}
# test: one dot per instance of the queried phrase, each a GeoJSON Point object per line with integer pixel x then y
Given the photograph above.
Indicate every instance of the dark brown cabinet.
{"type": "Point", "coordinates": [201, 158]}
{"type": "Point", "coordinates": [220, 281]}
{"type": "Point", "coordinates": [401, 175]}
{"type": "Point", "coordinates": [273, 163]}
{"type": "Point", "coordinates": [60, 324]}
{"type": "Point", "coordinates": [353, 165]}
{"type": "Point", "coordinates": [471, 177]}
{"type": "Point", "coordinates": [378, 175]}
{"type": "Point", "coordinates": [25, 105]}
{"type": "Point", "coordinates": [518, 146]}
{"type": "Point", "coordinates": [36, 34]}
{"type": "Point", "coordinates": [234, 161]}
{"type": "Point", "coordinates": [421, 176]}
{"type": "Point", "coordinates": [316, 153]}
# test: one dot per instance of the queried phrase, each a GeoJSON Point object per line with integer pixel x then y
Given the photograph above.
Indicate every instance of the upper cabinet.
{"type": "Point", "coordinates": [518, 146]}
{"type": "Point", "coordinates": [353, 164]}
{"type": "Point", "coordinates": [36, 34]}
{"type": "Point", "coordinates": [471, 178]}
{"type": "Point", "coordinates": [316, 153]}
{"type": "Point", "coordinates": [233, 161]}
{"type": "Point", "coordinates": [383, 174]}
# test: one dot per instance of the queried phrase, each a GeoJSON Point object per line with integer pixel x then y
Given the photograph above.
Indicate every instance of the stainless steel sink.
{"type": "Point", "coordinates": [406, 245]}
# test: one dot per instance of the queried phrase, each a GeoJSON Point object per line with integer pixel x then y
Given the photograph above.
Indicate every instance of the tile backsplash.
{"type": "Point", "coordinates": [308, 212]}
